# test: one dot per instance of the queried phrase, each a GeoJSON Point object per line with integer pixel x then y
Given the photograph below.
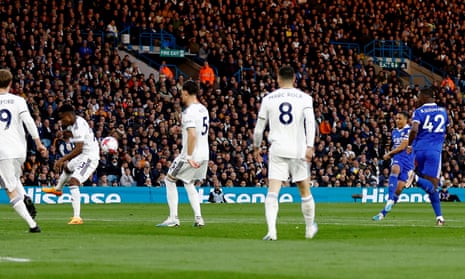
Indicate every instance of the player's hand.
{"type": "Point", "coordinates": [386, 156]}
{"type": "Point", "coordinates": [42, 150]}
{"type": "Point", "coordinates": [256, 154]}
{"type": "Point", "coordinates": [193, 163]}
{"type": "Point", "coordinates": [58, 165]}
{"type": "Point", "coordinates": [309, 154]}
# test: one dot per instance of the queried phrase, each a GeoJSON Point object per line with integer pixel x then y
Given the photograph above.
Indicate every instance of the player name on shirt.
{"type": "Point", "coordinates": [7, 102]}
{"type": "Point", "coordinates": [286, 94]}
{"type": "Point", "coordinates": [425, 110]}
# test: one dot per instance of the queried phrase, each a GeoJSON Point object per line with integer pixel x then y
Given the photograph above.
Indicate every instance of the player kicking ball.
{"type": "Point", "coordinates": [401, 163]}
{"type": "Point", "coordinates": [78, 165]}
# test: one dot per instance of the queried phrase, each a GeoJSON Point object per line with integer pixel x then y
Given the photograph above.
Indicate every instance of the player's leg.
{"type": "Point", "coordinates": [272, 208]}
{"type": "Point", "coordinates": [278, 172]}
{"type": "Point", "coordinates": [189, 175]}
{"type": "Point", "coordinates": [18, 205]}
{"type": "Point", "coordinates": [300, 171]}
{"type": "Point", "coordinates": [172, 194]}
{"type": "Point", "coordinates": [75, 201]}
{"type": "Point", "coordinates": [392, 198]}
{"type": "Point", "coordinates": [194, 200]}
{"type": "Point", "coordinates": [429, 166]}
{"type": "Point", "coordinates": [81, 168]}
{"type": "Point", "coordinates": [62, 180]}
{"type": "Point", "coordinates": [9, 171]}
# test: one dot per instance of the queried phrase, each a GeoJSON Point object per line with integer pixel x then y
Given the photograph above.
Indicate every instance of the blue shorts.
{"type": "Point", "coordinates": [428, 162]}
{"type": "Point", "coordinates": [404, 169]}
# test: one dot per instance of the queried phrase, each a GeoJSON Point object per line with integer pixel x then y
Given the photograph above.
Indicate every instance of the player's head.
{"type": "Point", "coordinates": [5, 78]}
{"type": "Point", "coordinates": [426, 96]}
{"type": "Point", "coordinates": [190, 89]}
{"type": "Point", "coordinates": [401, 119]}
{"type": "Point", "coordinates": [286, 76]}
{"type": "Point", "coordinates": [67, 115]}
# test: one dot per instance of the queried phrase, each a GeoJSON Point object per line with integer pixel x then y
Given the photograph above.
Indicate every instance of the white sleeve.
{"type": "Point", "coordinates": [309, 127]}
{"type": "Point", "coordinates": [31, 127]}
{"type": "Point", "coordinates": [258, 132]}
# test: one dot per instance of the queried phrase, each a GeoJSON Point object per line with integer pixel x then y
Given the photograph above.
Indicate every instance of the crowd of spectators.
{"type": "Point", "coordinates": [57, 55]}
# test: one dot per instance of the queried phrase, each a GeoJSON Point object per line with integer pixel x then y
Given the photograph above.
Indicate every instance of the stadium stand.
{"type": "Point", "coordinates": [67, 51]}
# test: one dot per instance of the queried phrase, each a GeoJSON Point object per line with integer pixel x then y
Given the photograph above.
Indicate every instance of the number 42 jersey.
{"type": "Point", "coordinates": [433, 121]}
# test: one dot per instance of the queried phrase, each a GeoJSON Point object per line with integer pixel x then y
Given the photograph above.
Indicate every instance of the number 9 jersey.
{"type": "Point", "coordinates": [14, 116]}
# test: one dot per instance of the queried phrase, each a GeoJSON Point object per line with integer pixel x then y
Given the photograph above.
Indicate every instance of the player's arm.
{"type": "Point", "coordinates": [258, 136]}
{"type": "Point", "coordinates": [31, 128]}
{"type": "Point", "coordinates": [309, 132]}
{"type": "Point", "coordinates": [402, 146]}
{"type": "Point", "coordinates": [78, 146]}
{"type": "Point", "coordinates": [191, 140]}
{"type": "Point", "coordinates": [412, 135]}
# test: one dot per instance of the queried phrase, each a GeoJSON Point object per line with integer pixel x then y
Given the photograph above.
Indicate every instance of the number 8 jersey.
{"type": "Point", "coordinates": [13, 113]}
{"type": "Point", "coordinates": [433, 121]}
{"type": "Point", "coordinates": [284, 109]}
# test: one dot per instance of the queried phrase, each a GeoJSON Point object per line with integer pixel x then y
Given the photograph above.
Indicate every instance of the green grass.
{"type": "Point", "coordinates": [121, 241]}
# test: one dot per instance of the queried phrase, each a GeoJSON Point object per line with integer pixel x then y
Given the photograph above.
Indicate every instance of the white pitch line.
{"type": "Point", "coordinates": [14, 260]}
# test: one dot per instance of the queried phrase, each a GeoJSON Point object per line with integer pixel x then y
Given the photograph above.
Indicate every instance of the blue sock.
{"type": "Point", "coordinates": [435, 203]}
{"type": "Point", "coordinates": [428, 186]}
{"type": "Point", "coordinates": [393, 178]}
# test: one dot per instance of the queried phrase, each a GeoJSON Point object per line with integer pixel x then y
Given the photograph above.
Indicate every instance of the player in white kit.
{"type": "Point", "coordinates": [192, 162]}
{"type": "Point", "coordinates": [289, 114]}
{"type": "Point", "coordinates": [14, 116]}
{"type": "Point", "coordinates": [78, 165]}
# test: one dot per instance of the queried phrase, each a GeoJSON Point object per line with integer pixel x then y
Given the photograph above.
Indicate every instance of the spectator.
{"type": "Point", "coordinates": [207, 76]}
{"type": "Point", "coordinates": [216, 195]}
{"type": "Point", "coordinates": [126, 179]}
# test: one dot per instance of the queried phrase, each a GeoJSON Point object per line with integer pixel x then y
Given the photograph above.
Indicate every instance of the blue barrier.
{"type": "Point", "coordinates": [99, 195]}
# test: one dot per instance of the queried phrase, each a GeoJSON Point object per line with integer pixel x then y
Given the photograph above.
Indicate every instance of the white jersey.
{"type": "Point", "coordinates": [12, 134]}
{"type": "Point", "coordinates": [83, 133]}
{"type": "Point", "coordinates": [196, 116]}
{"type": "Point", "coordinates": [284, 111]}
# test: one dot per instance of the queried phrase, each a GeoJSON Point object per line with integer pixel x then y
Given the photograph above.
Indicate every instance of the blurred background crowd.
{"type": "Point", "coordinates": [50, 47]}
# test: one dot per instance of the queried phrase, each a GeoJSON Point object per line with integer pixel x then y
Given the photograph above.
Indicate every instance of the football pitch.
{"type": "Point", "coordinates": [121, 241]}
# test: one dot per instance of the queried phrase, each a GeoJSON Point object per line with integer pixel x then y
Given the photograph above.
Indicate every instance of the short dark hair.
{"type": "Point", "coordinates": [286, 73]}
{"type": "Point", "coordinates": [5, 78]}
{"type": "Point", "coordinates": [66, 108]}
{"type": "Point", "coordinates": [404, 113]}
{"type": "Point", "coordinates": [191, 87]}
{"type": "Point", "coordinates": [427, 92]}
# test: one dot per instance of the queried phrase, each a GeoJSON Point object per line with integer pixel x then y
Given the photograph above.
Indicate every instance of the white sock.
{"type": "Point", "coordinates": [271, 211]}
{"type": "Point", "coordinates": [75, 200]}
{"type": "Point", "coordinates": [172, 197]}
{"type": "Point", "coordinates": [20, 208]}
{"type": "Point", "coordinates": [308, 210]}
{"type": "Point", "coordinates": [194, 199]}
{"type": "Point", "coordinates": [64, 177]}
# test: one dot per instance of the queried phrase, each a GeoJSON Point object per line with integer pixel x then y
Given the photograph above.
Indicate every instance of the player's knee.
{"type": "Point", "coordinates": [74, 182]}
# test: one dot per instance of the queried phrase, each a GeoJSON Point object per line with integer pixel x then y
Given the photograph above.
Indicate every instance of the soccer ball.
{"type": "Point", "coordinates": [109, 145]}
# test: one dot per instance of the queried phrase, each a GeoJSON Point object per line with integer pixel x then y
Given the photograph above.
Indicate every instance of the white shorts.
{"type": "Point", "coordinates": [10, 173]}
{"type": "Point", "coordinates": [280, 168]}
{"type": "Point", "coordinates": [182, 170]}
{"type": "Point", "coordinates": [82, 167]}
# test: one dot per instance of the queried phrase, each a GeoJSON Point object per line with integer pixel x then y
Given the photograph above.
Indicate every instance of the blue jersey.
{"type": "Point", "coordinates": [433, 121]}
{"type": "Point", "coordinates": [402, 158]}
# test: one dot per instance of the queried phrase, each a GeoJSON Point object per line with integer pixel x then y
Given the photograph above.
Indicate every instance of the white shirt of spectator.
{"type": "Point", "coordinates": [283, 109]}
{"type": "Point", "coordinates": [196, 116]}
{"type": "Point", "coordinates": [83, 133]}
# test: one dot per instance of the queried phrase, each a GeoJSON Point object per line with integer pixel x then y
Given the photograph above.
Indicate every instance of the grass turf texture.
{"type": "Point", "coordinates": [121, 241]}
